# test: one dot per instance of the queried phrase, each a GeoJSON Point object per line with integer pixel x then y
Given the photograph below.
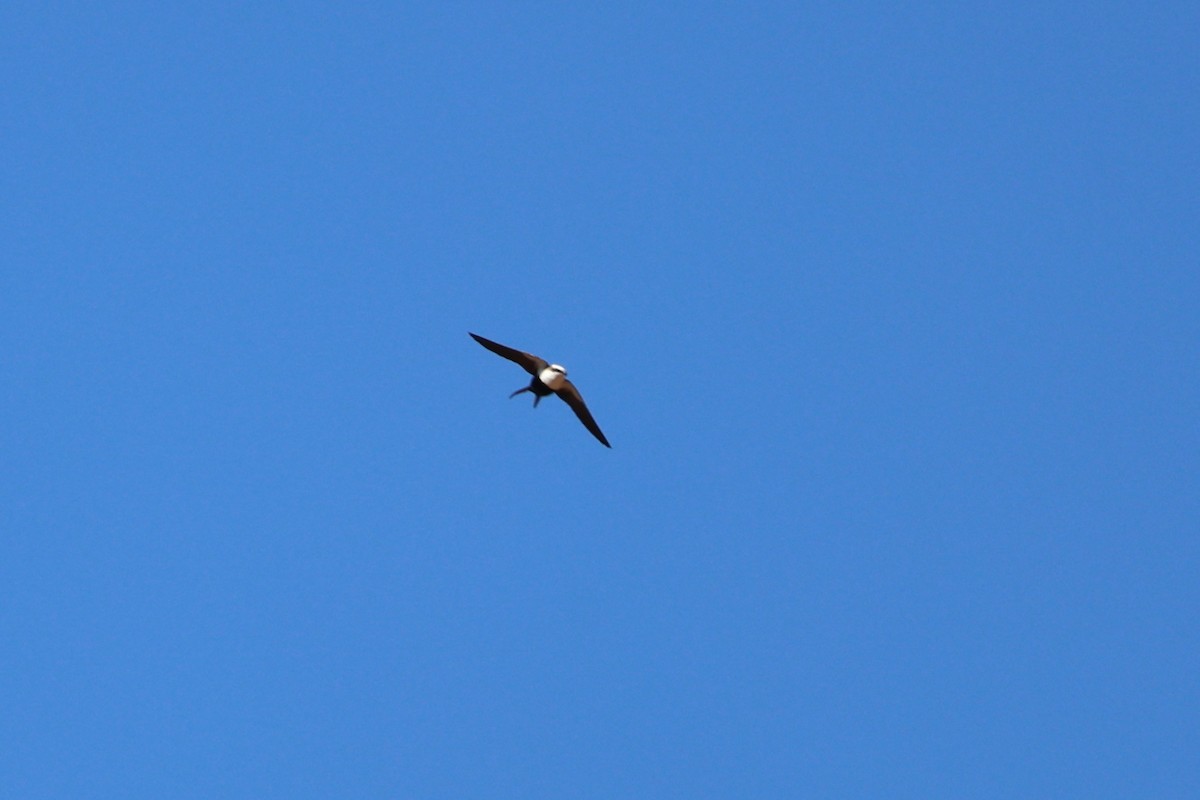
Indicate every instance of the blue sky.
{"type": "Point", "coordinates": [890, 313]}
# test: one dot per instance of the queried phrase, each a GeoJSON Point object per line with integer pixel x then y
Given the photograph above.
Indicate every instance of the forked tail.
{"type": "Point", "coordinates": [537, 398]}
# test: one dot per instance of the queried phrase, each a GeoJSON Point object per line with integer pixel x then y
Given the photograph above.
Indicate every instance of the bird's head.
{"type": "Point", "coordinates": [553, 376]}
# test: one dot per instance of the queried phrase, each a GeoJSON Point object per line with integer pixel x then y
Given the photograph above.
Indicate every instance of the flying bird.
{"type": "Point", "coordinates": [547, 379]}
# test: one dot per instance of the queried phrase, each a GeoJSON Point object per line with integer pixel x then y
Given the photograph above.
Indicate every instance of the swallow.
{"type": "Point", "coordinates": [547, 379]}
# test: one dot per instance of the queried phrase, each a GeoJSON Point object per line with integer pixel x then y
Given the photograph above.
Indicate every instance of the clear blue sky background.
{"type": "Point", "coordinates": [891, 313]}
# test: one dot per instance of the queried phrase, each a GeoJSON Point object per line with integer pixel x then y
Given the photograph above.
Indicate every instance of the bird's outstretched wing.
{"type": "Point", "coordinates": [527, 361]}
{"type": "Point", "coordinates": [570, 396]}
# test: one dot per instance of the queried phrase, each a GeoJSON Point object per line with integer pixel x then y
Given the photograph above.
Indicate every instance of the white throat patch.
{"type": "Point", "coordinates": [553, 376]}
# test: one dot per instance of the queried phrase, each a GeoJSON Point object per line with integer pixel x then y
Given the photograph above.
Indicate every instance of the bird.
{"type": "Point", "coordinates": [547, 379]}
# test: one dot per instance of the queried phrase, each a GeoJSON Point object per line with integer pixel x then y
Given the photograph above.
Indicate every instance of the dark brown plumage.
{"type": "Point", "coordinates": [537, 367]}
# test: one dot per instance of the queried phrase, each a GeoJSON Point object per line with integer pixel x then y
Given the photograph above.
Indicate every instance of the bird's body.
{"type": "Point", "coordinates": [537, 387]}
{"type": "Point", "coordinates": [547, 379]}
